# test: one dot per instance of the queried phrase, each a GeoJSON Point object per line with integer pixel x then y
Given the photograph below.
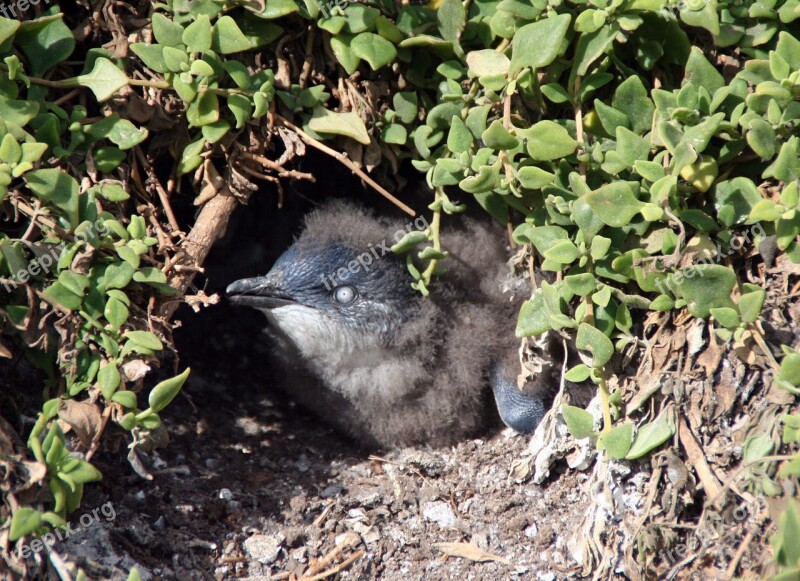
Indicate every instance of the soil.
{"type": "Point", "coordinates": [250, 486]}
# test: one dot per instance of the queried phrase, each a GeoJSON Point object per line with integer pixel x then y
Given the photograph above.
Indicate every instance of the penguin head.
{"type": "Point", "coordinates": [334, 282]}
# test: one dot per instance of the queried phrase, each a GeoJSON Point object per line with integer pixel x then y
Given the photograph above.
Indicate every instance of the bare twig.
{"type": "Point", "coordinates": [579, 127]}
{"type": "Point", "coordinates": [323, 515]}
{"type": "Point", "coordinates": [739, 554]}
{"type": "Point", "coordinates": [162, 194]}
{"type": "Point", "coordinates": [759, 338]}
{"type": "Point", "coordinates": [347, 162]}
{"type": "Point", "coordinates": [275, 166]}
{"type": "Point", "coordinates": [697, 459]}
{"type": "Point", "coordinates": [399, 464]}
{"type": "Point", "coordinates": [349, 540]}
{"type": "Point", "coordinates": [306, 72]}
{"type": "Point", "coordinates": [33, 214]}
{"type": "Point", "coordinates": [59, 565]}
{"type": "Point", "coordinates": [333, 570]}
{"type": "Point", "coordinates": [208, 228]}
{"type": "Point", "coordinates": [259, 175]}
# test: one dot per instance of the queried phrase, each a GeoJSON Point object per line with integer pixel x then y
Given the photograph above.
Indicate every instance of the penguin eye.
{"type": "Point", "coordinates": [344, 295]}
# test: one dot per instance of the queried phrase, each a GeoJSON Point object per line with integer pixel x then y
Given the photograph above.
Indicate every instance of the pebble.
{"type": "Point", "coordinates": [264, 548]}
{"type": "Point", "coordinates": [440, 513]}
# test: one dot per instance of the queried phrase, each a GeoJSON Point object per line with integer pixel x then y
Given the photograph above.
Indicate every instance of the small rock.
{"type": "Point", "coordinates": [332, 490]}
{"type": "Point", "coordinates": [298, 503]}
{"type": "Point", "coordinates": [295, 536]}
{"type": "Point", "coordinates": [482, 540]}
{"type": "Point", "coordinates": [531, 531]}
{"type": "Point", "coordinates": [264, 548]}
{"type": "Point", "coordinates": [366, 496]}
{"type": "Point", "coordinates": [439, 512]}
{"type": "Point", "coordinates": [369, 534]}
{"type": "Point", "coordinates": [428, 492]}
{"type": "Point", "coordinates": [303, 464]}
{"type": "Point", "coordinates": [428, 464]}
{"type": "Point", "coordinates": [349, 538]}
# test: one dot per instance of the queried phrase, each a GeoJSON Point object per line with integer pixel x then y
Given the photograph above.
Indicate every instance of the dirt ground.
{"type": "Point", "coordinates": [275, 490]}
{"type": "Point", "coordinates": [251, 486]}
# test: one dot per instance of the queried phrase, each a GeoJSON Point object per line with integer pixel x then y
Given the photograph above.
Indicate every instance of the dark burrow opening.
{"type": "Point", "coordinates": [224, 344]}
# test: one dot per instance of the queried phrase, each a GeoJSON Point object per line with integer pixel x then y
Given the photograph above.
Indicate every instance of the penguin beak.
{"type": "Point", "coordinates": [260, 292]}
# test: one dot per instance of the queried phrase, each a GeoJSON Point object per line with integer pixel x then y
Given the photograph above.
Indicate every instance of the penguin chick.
{"type": "Point", "coordinates": [375, 358]}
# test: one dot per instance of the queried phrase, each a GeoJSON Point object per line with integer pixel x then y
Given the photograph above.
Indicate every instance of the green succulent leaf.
{"type": "Point", "coordinates": [614, 204]}
{"type": "Point", "coordinates": [346, 124]}
{"type": "Point", "coordinates": [104, 80]}
{"type": "Point", "coordinates": [537, 44]}
{"type": "Point", "coordinates": [592, 339]}
{"type": "Point", "coordinates": [227, 37]}
{"type": "Point", "coordinates": [163, 393]}
{"type": "Point", "coordinates": [58, 189]}
{"type": "Point", "coordinates": [374, 49]}
{"type": "Point", "coordinates": [532, 320]}
{"type": "Point", "coordinates": [24, 521]}
{"type": "Point", "coordinates": [705, 287]}
{"type": "Point", "coordinates": [617, 440]}
{"type": "Point", "coordinates": [547, 140]}
{"type": "Point", "coordinates": [580, 423]}
{"type": "Point", "coordinates": [650, 436]}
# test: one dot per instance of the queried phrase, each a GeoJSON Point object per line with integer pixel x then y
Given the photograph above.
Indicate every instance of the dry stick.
{"type": "Point", "coordinates": [59, 565]}
{"type": "Point", "coordinates": [325, 512]}
{"type": "Point", "coordinates": [259, 175]}
{"type": "Point", "coordinates": [162, 194]}
{"type": "Point", "coordinates": [739, 554]}
{"type": "Point", "coordinates": [333, 570]}
{"type": "Point", "coordinates": [346, 161]}
{"type": "Point", "coordinates": [651, 495]}
{"type": "Point", "coordinates": [507, 167]}
{"type": "Point", "coordinates": [274, 166]}
{"type": "Point", "coordinates": [32, 225]}
{"type": "Point", "coordinates": [701, 467]}
{"type": "Point", "coordinates": [680, 565]}
{"type": "Point", "coordinates": [66, 98]}
{"type": "Point", "coordinates": [33, 214]}
{"type": "Point", "coordinates": [327, 559]}
{"type": "Point", "coordinates": [306, 72]}
{"type": "Point", "coordinates": [763, 345]}
{"type": "Point", "coordinates": [730, 481]}
{"type": "Point", "coordinates": [208, 228]}
{"type": "Point", "coordinates": [398, 464]}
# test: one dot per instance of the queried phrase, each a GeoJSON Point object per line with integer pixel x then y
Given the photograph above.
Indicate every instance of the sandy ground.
{"type": "Point", "coordinates": [251, 487]}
